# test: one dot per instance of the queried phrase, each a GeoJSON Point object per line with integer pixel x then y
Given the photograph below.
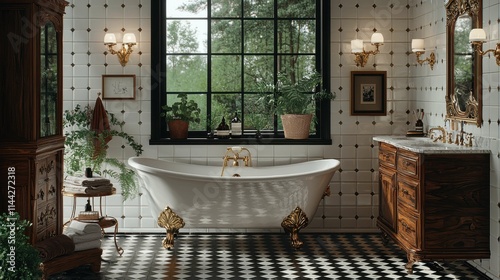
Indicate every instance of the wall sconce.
{"type": "Point", "coordinates": [417, 46]}
{"type": "Point", "coordinates": [358, 50]}
{"type": "Point", "coordinates": [477, 37]}
{"type": "Point", "coordinates": [124, 53]}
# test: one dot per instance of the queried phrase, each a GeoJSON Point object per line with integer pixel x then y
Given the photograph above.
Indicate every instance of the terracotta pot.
{"type": "Point", "coordinates": [296, 126]}
{"type": "Point", "coordinates": [178, 129]}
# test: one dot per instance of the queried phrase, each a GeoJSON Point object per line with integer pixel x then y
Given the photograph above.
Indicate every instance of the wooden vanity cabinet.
{"type": "Point", "coordinates": [434, 206]}
{"type": "Point", "coordinates": [31, 136]}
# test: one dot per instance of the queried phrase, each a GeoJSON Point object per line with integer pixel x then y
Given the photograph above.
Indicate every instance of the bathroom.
{"type": "Point", "coordinates": [353, 203]}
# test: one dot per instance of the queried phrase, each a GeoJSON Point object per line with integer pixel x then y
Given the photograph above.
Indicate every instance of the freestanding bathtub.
{"type": "Point", "coordinates": [197, 196]}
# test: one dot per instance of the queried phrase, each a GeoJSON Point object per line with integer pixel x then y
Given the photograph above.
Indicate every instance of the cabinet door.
{"type": "Point", "coordinates": [388, 198]}
{"type": "Point", "coordinates": [49, 81]}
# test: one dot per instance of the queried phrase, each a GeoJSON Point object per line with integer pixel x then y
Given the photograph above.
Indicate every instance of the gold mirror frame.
{"type": "Point", "coordinates": [473, 106]}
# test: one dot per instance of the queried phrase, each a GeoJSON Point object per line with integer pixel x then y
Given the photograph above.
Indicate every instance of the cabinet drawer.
{"type": "Point", "coordinates": [46, 214]}
{"type": "Point", "coordinates": [407, 164]}
{"type": "Point", "coordinates": [387, 155]}
{"type": "Point", "coordinates": [407, 227]}
{"type": "Point", "coordinates": [408, 192]}
{"type": "Point", "coordinates": [46, 167]}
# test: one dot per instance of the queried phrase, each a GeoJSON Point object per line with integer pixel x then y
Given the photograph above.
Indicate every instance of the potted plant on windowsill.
{"type": "Point", "coordinates": [295, 102]}
{"type": "Point", "coordinates": [179, 115]}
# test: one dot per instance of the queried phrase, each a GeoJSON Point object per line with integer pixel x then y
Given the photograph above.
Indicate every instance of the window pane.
{"type": "Point", "coordinates": [201, 99]}
{"type": "Point", "coordinates": [226, 36]}
{"type": "Point", "coordinates": [225, 105]}
{"type": "Point", "coordinates": [296, 36]}
{"type": "Point", "coordinates": [258, 8]}
{"type": "Point", "coordinates": [299, 64]}
{"type": "Point", "coordinates": [258, 69]}
{"type": "Point", "coordinates": [259, 36]}
{"type": "Point", "coordinates": [186, 8]}
{"type": "Point", "coordinates": [186, 73]}
{"type": "Point", "coordinates": [226, 73]}
{"type": "Point", "coordinates": [226, 8]}
{"type": "Point", "coordinates": [296, 8]}
{"type": "Point", "coordinates": [186, 36]}
{"type": "Point", "coordinates": [258, 115]}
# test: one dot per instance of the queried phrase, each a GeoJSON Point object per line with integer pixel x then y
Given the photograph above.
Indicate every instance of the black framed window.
{"type": "Point", "coordinates": [220, 51]}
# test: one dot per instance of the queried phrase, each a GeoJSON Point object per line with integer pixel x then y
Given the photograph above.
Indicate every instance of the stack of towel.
{"type": "Point", "coordinates": [55, 246]}
{"type": "Point", "coordinates": [84, 235]}
{"type": "Point", "coordinates": [84, 185]}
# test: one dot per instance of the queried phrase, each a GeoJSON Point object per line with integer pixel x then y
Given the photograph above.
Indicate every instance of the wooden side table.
{"type": "Point", "coordinates": [103, 221]}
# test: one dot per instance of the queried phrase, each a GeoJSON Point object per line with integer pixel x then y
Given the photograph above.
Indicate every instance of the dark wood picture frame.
{"type": "Point", "coordinates": [118, 86]}
{"type": "Point", "coordinates": [368, 93]}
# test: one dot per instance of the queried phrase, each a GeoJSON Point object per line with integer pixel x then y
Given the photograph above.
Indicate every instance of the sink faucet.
{"type": "Point", "coordinates": [441, 137]}
{"type": "Point", "coordinates": [233, 153]}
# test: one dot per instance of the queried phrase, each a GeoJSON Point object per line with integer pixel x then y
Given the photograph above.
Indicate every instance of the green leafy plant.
{"type": "Point", "coordinates": [295, 98]}
{"type": "Point", "coordinates": [85, 147]}
{"type": "Point", "coordinates": [186, 110]}
{"type": "Point", "coordinates": [18, 258]}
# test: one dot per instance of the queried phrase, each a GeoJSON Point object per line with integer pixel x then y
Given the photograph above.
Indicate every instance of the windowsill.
{"type": "Point", "coordinates": [240, 141]}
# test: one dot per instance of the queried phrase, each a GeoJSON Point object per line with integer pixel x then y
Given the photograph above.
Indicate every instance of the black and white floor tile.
{"type": "Point", "coordinates": [263, 256]}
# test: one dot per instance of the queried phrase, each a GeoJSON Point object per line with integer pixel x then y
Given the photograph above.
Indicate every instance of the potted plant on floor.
{"type": "Point", "coordinates": [179, 115]}
{"type": "Point", "coordinates": [18, 258]}
{"type": "Point", "coordinates": [294, 102]}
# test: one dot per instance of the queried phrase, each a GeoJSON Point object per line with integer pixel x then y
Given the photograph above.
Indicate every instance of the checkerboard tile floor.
{"type": "Point", "coordinates": [263, 256]}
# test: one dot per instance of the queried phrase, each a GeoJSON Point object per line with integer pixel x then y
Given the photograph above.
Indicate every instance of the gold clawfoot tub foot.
{"type": "Point", "coordinates": [294, 222]}
{"type": "Point", "coordinates": [172, 223]}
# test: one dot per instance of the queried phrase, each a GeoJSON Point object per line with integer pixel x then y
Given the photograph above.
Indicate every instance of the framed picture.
{"type": "Point", "coordinates": [118, 86]}
{"type": "Point", "coordinates": [368, 93]}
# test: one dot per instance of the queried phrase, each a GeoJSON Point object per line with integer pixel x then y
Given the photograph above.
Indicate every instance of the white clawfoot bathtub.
{"type": "Point", "coordinates": [197, 196]}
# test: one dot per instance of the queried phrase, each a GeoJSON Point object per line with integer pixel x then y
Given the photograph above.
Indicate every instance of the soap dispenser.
{"type": "Point", "coordinates": [222, 130]}
{"type": "Point", "coordinates": [236, 126]}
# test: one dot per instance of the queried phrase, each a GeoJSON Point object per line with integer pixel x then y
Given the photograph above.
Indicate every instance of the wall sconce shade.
{"type": "Point", "coordinates": [477, 34]}
{"type": "Point", "coordinates": [357, 48]}
{"type": "Point", "coordinates": [418, 47]}
{"type": "Point", "coordinates": [477, 37]}
{"type": "Point", "coordinates": [109, 38]}
{"type": "Point", "coordinates": [123, 54]}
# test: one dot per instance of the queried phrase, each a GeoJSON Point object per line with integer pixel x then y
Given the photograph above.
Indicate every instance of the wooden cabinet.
{"type": "Point", "coordinates": [435, 206]}
{"type": "Point", "coordinates": [31, 140]}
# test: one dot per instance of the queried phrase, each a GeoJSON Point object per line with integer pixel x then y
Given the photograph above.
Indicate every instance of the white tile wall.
{"type": "Point", "coordinates": [353, 203]}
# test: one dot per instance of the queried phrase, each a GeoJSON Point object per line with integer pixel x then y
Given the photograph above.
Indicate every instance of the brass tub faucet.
{"type": "Point", "coordinates": [233, 153]}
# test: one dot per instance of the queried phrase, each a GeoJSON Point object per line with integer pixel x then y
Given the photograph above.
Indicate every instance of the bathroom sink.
{"type": "Point", "coordinates": [427, 145]}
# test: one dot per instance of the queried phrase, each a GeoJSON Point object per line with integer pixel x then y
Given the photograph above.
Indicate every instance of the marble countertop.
{"type": "Point", "coordinates": [425, 145]}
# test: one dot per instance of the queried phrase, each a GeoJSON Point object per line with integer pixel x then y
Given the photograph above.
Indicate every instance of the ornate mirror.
{"type": "Point", "coordinates": [464, 68]}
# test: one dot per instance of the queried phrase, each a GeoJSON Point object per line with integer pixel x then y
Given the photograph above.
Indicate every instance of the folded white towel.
{"type": "Point", "coordinates": [88, 245]}
{"type": "Point", "coordinates": [84, 227]}
{"type": "Point", "coordinates": [79, 236]}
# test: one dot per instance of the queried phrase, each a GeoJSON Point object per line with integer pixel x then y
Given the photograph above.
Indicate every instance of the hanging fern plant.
{"type": "Point", "coordinates": [81, 152]}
